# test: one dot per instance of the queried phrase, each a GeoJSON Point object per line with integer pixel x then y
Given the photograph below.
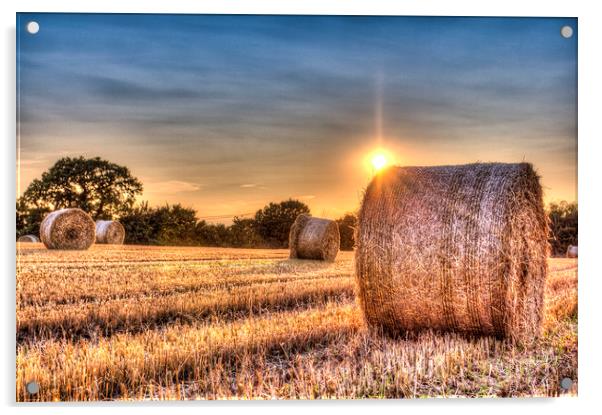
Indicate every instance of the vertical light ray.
{"type": "Point", "coordinates": [378, 108]}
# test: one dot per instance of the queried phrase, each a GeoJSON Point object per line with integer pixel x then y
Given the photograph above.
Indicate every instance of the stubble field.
{"type": "Point", "coordinates": [134, 322]}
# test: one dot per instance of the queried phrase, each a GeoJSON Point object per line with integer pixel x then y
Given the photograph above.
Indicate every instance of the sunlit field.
{"type": "Point", "coordinates": [133, 322]}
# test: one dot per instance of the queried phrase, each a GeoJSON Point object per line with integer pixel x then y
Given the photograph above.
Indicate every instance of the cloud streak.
{"type": "Point", "coordinates": [171, 187]}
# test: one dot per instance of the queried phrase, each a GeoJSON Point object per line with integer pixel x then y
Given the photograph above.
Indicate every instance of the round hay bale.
{"type": "Point", "coordinates": [70, 228]}
{"type": "Point", "coordinates": [109, 232]}
{"type": "Point", "coordinates": [571, 251]}
{"type": "Point", "coordinates": [454, 248]}
{"type": "Point", "coordinates": [28, 238]}
{"type": "Point", "coordinates": [314, 238]}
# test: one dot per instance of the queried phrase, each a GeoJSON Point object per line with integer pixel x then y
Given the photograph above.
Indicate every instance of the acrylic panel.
{"type": "Point", "coordinates": [295, 207]}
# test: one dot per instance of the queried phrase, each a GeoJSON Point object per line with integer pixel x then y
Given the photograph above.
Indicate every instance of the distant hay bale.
{"type": "Point", "coordinates": [314, 238]}
{"type": "Point", "coordinates": [454, 248]}
{"type": "Point", "coordinates": [109, 232]}
{"type": "Point", "coordinates": [28, 238]}
{"type": "Point", "coordinates": [571, 251]}
{"type": "Point", "coordinates": [68, 229]}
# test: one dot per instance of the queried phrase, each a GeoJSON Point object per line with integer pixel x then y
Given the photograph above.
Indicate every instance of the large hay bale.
{"type": "Point", "coordinates": [28, 238]}
{"type": "Point", "coordinates": [572, 251]}
{"type": "Point", "coordinates": [454, 248]}
{"type": "Point", "coordinates": [70, 228]}
{"type": "Point", "coordinates": [314, 238]}
{"type": "Point", "coordinates": [109, 232]}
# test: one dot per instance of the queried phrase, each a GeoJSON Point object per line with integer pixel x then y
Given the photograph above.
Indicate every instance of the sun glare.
{"type": "Point", "coordinates": [379, 161]}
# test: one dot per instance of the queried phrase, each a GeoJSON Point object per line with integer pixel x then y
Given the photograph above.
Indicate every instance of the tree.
{"type": "Point", "coordinates": [139, 225]}
{"type": "Point", "coordinates": [243, 233]}
{"type": "Point", "coordinates": [103, 189]}
{"type": "Point", "coordinates": [209, 234]}
{"type": "Point", "coordinates": [347, 225]}
{"type": "Point", "coordinates": [274, 221]}
{"type": "Point", "coordinates": [165, 225]}
{"type": "Point", "coordinates": [563, 226]}
{"type": "Point", "coordinates": [176, 225]}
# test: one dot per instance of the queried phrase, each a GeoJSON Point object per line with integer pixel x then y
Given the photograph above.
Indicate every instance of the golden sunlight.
{"type": "Point", "coordinates": [379, 161]}
{"type": "Point", "coordinates": [376, 159]}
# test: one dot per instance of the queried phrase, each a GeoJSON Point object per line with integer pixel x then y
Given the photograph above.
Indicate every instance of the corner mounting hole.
{"type": "Point", "coordinates": [566, 383]}
{"type": "Point", "coordinates": [566, 32]}
{"type": "Point", "coordinates": [33, 27]}
{"type": "Point", "coordinates": [32, 388]}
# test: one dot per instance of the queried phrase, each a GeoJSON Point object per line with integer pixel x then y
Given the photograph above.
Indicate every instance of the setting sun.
{"type": "Point", "coordinates": [376, 159]}
{"type": "Point", "coordinates": [379, 161]}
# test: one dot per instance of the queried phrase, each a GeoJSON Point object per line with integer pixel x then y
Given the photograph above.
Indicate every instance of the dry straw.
{"type": "Point", "coordinates": [572, 251]}
{"type": "Point", "coordinates": [28, 238]}
{"type": "Point", "coordinates": [68, 229]}
{"type": "Point", "coordinates": [459, 248]}
{"type": "Point", "coordinates": [314, 238]}
{"type": "Point", "coordinates": [109, 232]}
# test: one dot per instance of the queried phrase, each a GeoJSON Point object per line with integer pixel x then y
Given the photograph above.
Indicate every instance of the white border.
{"type": "Point", "coordinates": [590, 91]}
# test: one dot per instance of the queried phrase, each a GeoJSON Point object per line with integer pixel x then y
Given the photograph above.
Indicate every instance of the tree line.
{"type": "Point", "coordinates": [178, 225]}
{"type": "Point", "coordinates": [108, 191]}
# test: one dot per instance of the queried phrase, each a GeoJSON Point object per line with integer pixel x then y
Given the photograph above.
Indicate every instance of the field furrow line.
{"type": "Point", "coordinates": [64, 287]}
{"type": "Point", "coordinates": [89, 320]}
{"type": "Point", "coordinates": [161, 290]}
{"type": "Point", "coordinates": [111, 366]}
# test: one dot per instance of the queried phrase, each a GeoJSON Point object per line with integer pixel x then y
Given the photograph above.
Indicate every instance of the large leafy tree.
{"type": "Point", "coordinates": [103, 189]}
{"type": "Point", "coordinates": [274, 221]}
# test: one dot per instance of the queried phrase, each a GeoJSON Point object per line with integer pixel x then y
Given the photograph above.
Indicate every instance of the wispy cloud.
{"type": "Point", "coordinates": [253, 186]}
{"type": "Point", "coordinates": [171, 187]}
{"type": "Point", "coordinates": [113, 88]}
{"type": "Point", "coordinates": [304, 197]}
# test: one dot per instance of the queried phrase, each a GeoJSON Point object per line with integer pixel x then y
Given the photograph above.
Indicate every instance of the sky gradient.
{"type": "Point", "coordinates": [227, 113]}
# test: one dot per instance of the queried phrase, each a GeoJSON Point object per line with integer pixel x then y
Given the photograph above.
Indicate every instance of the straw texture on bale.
{"type": "Point", "coordinates": [70, 228]}
{"type": "Point", "coordinates": [454, 248]}
{"type": "Point", "coordinates": [109, 232]}
{"type": "Point", "coordinates": [572, 251]}
{"type": "Point", "coordinates": [314, 238]}
{"type": "Point", "coordinates": [28, 238]}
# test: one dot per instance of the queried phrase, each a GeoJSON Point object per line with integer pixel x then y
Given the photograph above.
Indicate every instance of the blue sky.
{"type": "Point", "coordinates": [226, 113]}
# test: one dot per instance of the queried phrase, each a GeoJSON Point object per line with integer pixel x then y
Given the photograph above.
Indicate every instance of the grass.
{"type": "Point", "coordinates": [207, 323]}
